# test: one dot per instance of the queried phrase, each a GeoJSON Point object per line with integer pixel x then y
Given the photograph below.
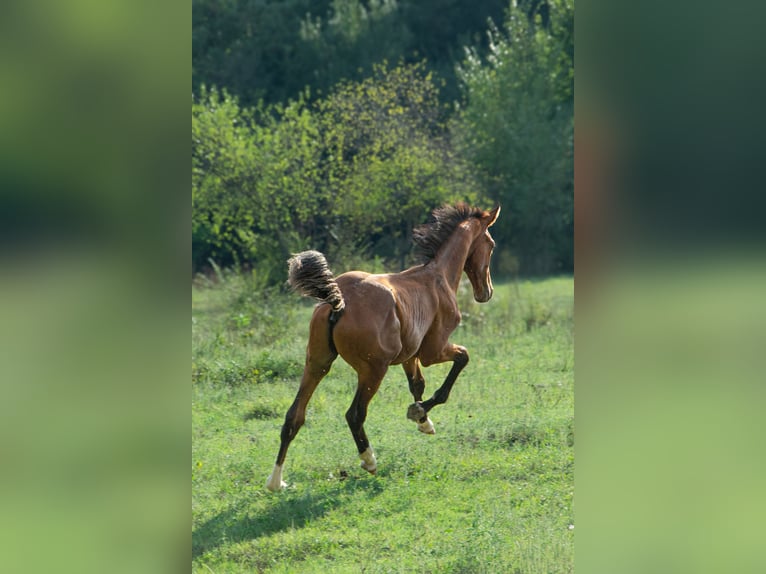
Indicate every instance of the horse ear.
{"type": "Point", "coordinates": [492, 215]}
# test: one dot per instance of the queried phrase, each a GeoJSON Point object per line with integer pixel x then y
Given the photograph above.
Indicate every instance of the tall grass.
{"type": "Point", "coordinates": [490, 492]}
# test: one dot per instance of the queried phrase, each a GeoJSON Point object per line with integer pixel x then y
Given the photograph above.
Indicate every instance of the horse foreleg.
{"type": "Point", "coordinates": [418, 411]}
{"type": "Point", "coordinates": [415, 378]}
{"type": "Point", "coordinates": [417, 386]}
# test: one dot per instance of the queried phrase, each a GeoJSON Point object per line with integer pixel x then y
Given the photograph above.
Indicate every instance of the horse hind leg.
{"type": "Point", "coordinates": [417, 385]}
{"type": "Point", "coordinates": [294, 419]}
{"type": "Point", "coordinates": [319, 359]}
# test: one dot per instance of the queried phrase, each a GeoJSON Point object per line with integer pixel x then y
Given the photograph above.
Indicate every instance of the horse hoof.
{"type": "Point", "coordinates": [275, 482]}
{"type": "Point", "coordinates": [416, 412]}
{"type": "Point", "coordinates": [427, 427]}
{"type": "Point", "coordinates": [274, 486]}
{"type": "Point", "coordinates": [368, 461]}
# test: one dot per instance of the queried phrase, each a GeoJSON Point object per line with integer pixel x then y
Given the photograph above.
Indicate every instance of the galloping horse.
{"type": "Point", "coordinates": [406, 318]}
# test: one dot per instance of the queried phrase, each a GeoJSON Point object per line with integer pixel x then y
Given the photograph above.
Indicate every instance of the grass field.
{"type": "Point", "coordinates": [491, 492]}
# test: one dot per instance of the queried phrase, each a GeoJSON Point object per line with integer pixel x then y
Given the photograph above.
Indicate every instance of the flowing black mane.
{"type": "Point", "coordinates": [429, 237]}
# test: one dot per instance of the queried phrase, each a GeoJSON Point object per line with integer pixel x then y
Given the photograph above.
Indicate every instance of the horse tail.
{"type": "Point", "coordinates": [309, 273]}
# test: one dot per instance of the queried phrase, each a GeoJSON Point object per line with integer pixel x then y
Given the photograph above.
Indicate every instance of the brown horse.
{"type": "Point", "coordinates": [406, 318]}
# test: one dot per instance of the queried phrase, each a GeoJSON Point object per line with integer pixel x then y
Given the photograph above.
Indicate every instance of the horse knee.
{"type": "Point", "coordinates": [461, 357]}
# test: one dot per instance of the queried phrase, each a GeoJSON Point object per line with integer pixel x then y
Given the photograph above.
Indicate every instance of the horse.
{"type": "Point", "coordinates": [405, 318]}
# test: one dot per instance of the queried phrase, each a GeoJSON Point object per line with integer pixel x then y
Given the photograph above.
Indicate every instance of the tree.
{"type": "Point", "coordinates": [272, 50]}
{"type": "Point", "coordinates": [517, 127]}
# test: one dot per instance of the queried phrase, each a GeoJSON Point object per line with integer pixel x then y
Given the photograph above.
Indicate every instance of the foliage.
{"type": "Point", "coordinates": [517, 127]}
{"type": "Point", "coordinates": [249, 47]}
{"type": "Point", "coordinates": [352, 172]}
{"type": "Point", "coordinates": [255, 181]}
{"type": "Point", "coordinates": [349, 40]}
{"type": "Point", "coordinates": [391, 158]}
{"type": "Point", "coordinates": [272, 51]}
{"type": "Point", "coordinates": [492, 491]}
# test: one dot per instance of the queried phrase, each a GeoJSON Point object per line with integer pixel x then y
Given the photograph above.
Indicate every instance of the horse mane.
{"type": "Point", "coordinates": [430, 236]}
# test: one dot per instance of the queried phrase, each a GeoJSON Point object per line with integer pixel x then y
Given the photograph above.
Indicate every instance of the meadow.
{"type": "Point", "coordinates": [491, 491]}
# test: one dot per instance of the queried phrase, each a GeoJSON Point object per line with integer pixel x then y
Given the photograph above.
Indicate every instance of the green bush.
{"type": "Point", "coordinates": [255, 182]}
{"type": "Point", "coordinates": [351, 174]}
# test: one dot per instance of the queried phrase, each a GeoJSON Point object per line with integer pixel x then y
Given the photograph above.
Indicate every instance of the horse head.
{"type": "Point", "coordinates": [477, 263]}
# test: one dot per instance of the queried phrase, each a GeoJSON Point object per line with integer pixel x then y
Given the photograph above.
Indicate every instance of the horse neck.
{"type": "Point", "coordinates": [452, 256]}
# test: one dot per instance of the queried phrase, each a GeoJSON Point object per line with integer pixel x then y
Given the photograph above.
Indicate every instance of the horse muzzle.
{"type": "Point", "coordinates": [484, 296]}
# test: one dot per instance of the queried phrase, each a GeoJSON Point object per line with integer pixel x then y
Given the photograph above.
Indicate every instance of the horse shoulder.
{"type": "Point", "coordinates": [448, 316]}
{"type": "Point", "coordinates": [416, 305]}
{"type": "Point", "coordinates": [444, 323]}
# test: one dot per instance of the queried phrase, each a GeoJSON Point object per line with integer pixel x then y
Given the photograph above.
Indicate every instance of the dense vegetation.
{"type": "Point", "coordinates": [491, 491]}
{"type": "Point", "coordinates": [273, 50]}
{"type": "Point", "coordinates": [340, 125]}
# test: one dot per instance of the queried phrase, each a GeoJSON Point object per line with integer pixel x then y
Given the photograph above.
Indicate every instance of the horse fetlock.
{"type": "Point", "coordinates": [427, 427]}
{"type": "Point", "coordinates": [369, 462]}
{"type": "Point", "coordinates": [416, 412]}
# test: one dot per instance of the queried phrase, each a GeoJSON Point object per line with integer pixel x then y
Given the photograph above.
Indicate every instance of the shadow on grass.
{"type": "Point", "coordinates": [285, 510]}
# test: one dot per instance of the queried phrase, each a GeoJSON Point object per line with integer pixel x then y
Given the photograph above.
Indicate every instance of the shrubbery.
{"type": "Point", "coordinates": [353, 171]}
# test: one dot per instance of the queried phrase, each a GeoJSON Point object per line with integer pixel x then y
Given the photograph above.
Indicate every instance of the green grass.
{"type": "Point", "coordinates": [491, 492]}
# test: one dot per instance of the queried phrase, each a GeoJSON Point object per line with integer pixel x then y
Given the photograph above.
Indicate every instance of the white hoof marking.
{"type": "Point", "coordinates": [275, 482]}
{"type": "Point", "coordinates": [369, 463]}
{"type": "Point", "coordinates": [427, 427]}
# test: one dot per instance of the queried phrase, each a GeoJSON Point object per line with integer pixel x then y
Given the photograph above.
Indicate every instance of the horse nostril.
{"type": "Point", "coordinates": [485, 296]}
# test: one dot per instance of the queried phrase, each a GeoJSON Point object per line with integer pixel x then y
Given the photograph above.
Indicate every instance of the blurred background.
{"type": "Point", "coordinates": [670, 287]}
{"type": "Point", "coordinates": [93, 183]}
